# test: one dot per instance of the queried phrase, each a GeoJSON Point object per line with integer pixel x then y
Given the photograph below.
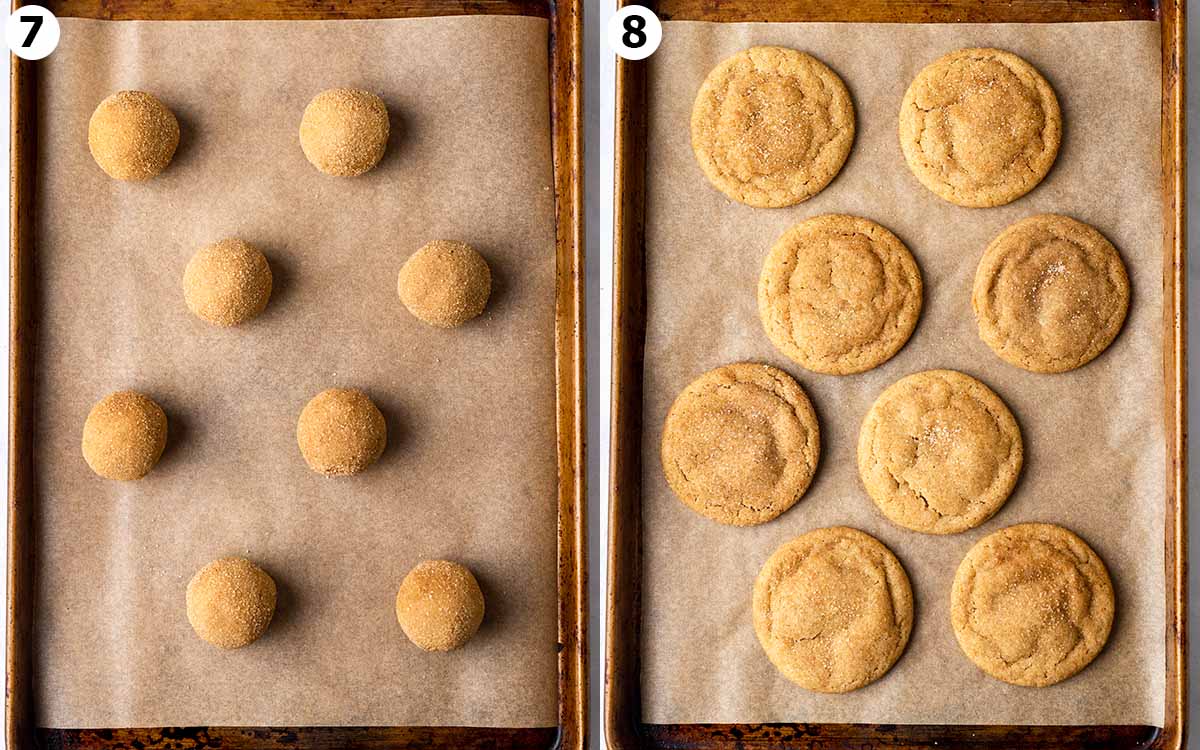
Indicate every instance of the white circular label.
{"type": "Point", "coordinates": [31, 32]}
{"type": "Point", "coordinates": [634, 32]}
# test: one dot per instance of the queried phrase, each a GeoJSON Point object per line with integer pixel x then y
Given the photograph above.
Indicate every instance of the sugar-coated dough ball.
{"type": "Point", "coordinates": [124, 435]}
{"type": "Point", "coordinates": [445, 283]}
{"type": "Point", "coordinates": [133, 135]}
{"type": "Point", "coordinates": [439, 605]}
{"type": "Point", "coordinates": [227, 283]}
{"type": "Point", "coordinates": [230, 602]}
{"type": "Point", "coordinates": [344, 132]}
{"type": "Point", "coordinates": [341, 432]}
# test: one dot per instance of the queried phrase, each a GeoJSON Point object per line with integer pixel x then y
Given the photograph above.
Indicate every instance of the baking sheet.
{"type": "Point", "coordinates": [469, 472]}
{"type": "Point", "coordinates": [1094, 438]}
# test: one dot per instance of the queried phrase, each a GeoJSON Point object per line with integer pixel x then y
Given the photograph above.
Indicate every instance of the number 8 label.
{"type": "Point", "coordinates": [634, 32]}
{"type": "Point", "coordinates": [31, 32]}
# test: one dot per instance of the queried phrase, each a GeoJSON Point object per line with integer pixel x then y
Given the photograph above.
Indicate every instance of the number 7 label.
{"type": "Point", "coordinates": [31, 32]}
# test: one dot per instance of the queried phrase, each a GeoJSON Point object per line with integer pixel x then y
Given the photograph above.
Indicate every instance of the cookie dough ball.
{"type": "Point", "coordinates": [227, 283]}
{"type": "Point", "coordinates": [939, 452]}
{"type": "Point", "coordinates": [833, 609]}
{"type": "Point", "coordinates": [124, 435]}
{"type": "Point", "coordinates": [445, 283]}
{"type": "Point", "coordinates": [839, 294]}
{"type": "Point", "coordinates": [344, 132]}
{"type": "Point", "coordinates": [1032, 604]}
{"type": "Point", "coordinates": [230, 602]}
{"type": "Point", "coordinates": [740, 444]}
{"type": "Point", "coordinates": [439, 605]}
{"type": "Point", "coordinates": [980, 127]}
{"type": "Point", "coordinates": [341, 432]}
{"type": "Point", "coordinates": [133, 135]}
{"type": "Point", "coordinates": [1050, 294]}
{"type": "Point", "coordinates": [772, 126]}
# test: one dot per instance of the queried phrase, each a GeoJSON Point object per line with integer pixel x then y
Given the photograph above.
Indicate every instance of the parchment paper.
{"type": "Point", "coordinates": [1094, 437]}
{"type": "Point", "coordinates": [469, 471]}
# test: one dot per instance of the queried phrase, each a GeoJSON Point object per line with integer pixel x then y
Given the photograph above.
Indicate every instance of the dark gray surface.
{"type": "Point", "coordinates": [598, 189]}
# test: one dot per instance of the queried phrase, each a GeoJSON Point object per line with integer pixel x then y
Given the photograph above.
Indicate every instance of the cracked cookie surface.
{"type": "Point", "coordinates": [839, 294]}
{"type": "Point", "coordinates": [939, 452]}
{"type": "Point", "coordinates": [772, 126]}
{"type": "Point", "coordinates": [740, 444]}
{"type": "Point", "coordinates": [1051, 293]}
{"type": "Point", "coordinates": [833, 609]}
{"type": "Point", "coordinates": [980, 127]}
{"type": "Point", "coordinates": [1032, 604]}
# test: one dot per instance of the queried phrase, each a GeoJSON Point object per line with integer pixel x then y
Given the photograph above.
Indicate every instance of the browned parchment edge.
{"type": "Point", "coordinates": [566, 57]}
{"type": "Point", "coordinates": [623, 724]}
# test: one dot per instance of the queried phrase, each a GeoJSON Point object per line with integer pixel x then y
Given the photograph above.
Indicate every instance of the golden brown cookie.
{"type": "Point", "coordinates": [980, 127]}
{"type": "Point", "coordinates": [132, 135]}
{"type": "Point", "coordinates": [341, 432]}
{"type": "Point", "coordinates": [839, 294]}
{"type": "Point", "coordinates": [833, 609]}
{"type": "Point", "coordinates": [445, 283]}
{"type": "Point", "coordinates": [230, 602]}
{"type": "Point", "coordinates": [439, 605]}
{"type": "Point", "coordinates": [1050, 294]}
{"type": "Point", "coordinates": [740, 444]}
{"type": "Point", "coordinates": [124, 435]}
{"type": "Point", "coordinates": [344, 132]}
{"type": "Point", "coordinates": [227, 283]}
{"type": "Point", "coordinates": [1032, 604]}
{"type": "Point", "coordinates": [772, 126]}
{"type": "Point", "coordinates": [939, 452]}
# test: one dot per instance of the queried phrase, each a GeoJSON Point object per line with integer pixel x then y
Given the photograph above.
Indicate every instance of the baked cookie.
{"type": "Point", "coordinates": [772, 126]}
{"type": "Point", "coordinates": [740, 444]}
{"type": "Point", "coordinates": [1032, 604]}
{"type": "Point", "coordinates": [939, 452]}
{"type": "Point", "coordinates": [839, 294]}
{"type": "Point", "coordinates": [833, 609]}
{"type": "Point", "coordinates": [980, 127]}
{"type": "Point", "coordinates": [1050, 294]}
